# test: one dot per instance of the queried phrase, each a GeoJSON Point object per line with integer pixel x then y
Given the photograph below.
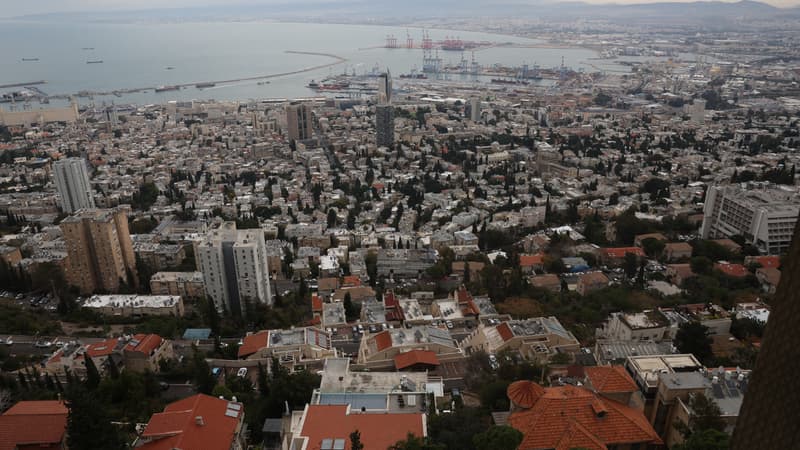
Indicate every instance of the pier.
{"type": "Point", "coordinates": [118, 92]}
{"type": "Point", "coordinates": [27, 83]}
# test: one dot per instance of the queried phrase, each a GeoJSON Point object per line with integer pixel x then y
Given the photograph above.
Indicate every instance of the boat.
{"type": "Point", "coordinates": [170, 67]}
{"type": "Point", "coordinates": [167, 88]}
{"type": "Point", "coordinates": [205, 85]}
{"type": "Point", "coordinates": [30, 59]}
{"type": "Point", "coordinates": [261, 83]}
{"type": "Point", "coordinates": [95, 61]}
{"type": "Point", "coordinates": [87, 48]}
{"type": "Point", "coordinates": [313, 84]}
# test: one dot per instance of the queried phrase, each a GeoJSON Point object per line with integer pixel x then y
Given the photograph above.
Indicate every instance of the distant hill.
{"type": "Point", "coordinates": [388, 11]}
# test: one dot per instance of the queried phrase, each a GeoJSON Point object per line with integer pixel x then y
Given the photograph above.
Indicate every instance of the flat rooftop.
{"type": "Point", "coordinates": [132, 301]}
{"type": "Point", "coordinates": [338, 378]}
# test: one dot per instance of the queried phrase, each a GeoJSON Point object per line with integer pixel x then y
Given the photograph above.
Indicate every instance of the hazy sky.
{"type": "Point", "coordinates": [9, 8]}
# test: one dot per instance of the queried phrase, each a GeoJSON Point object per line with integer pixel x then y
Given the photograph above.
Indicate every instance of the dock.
{"type": "Point", "coordinates": [27, 83]}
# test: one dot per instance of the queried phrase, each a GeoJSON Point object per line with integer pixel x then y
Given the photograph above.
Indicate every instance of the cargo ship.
{"type": "Point", "coordinates": [30, 59]}
{"type": "Point", "coordinates": [205, 85]}
{"type": "Point", "coordinates": [167, 88]}
{"type": "Point", "coordinates": [414, 76]}
{"type": "Point", "coordinates": [504, 81]}
{"type": "Point", "coordinates": [95, 61]}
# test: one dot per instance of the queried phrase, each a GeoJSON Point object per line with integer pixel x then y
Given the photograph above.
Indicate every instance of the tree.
{"type": "Point", "coordinates": [92, 374]}
{"type": "Point", "coordinates": [88, 423]}
{"type": "Point", "coordinates": [351, 311]}
{"type": "Point", "coordinates": [416, 443]}
{"type": "Point", "coordinates": [631, 264]}
{"type": "Point", "coordinates": [355, 441]}
{"type": "Point", "coordinates": [332, 218]}
{"type": "Point", "coordinates": [693, 337]}
{"type": "Point", "coordinates": [203, 379]}
{"type": "Point", "coordinates": [705, 440]}
{"type": "Point", "coordinates": [498, 438]}
{"type": "Point", "coordinates": [701, 265]}
{"type": "Point", "coordinates": [653, 247]}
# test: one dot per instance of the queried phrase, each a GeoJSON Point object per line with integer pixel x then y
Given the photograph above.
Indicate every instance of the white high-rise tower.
{"type": "Point", "coordinates": [72, 183]}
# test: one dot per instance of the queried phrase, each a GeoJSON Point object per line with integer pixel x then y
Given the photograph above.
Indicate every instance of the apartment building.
{"type": "Point", "coordinates": [100, 252]}
{"type": "Point", "coordinates": [73, 185]}
{"type": "Point", "coordinates": [234, 267]}
{"type": "Point", "coordinates": [764, 214]}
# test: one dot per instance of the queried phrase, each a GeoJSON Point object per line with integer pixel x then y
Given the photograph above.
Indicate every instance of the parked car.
{"type": "Point", "coordinates": [242, 372]}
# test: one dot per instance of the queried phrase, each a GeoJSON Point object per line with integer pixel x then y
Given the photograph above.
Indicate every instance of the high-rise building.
{"type": "Point", "coordinates": [474, 109]}
{"type": "Point", "coordinates": [234, 266]}
{"type": "Point", "coordinates": [384, 125]}
{"type": "Point", "coordinates": [764, 214]}
{"type": "Point", "coordinates": [771, 406]}
{"type": "Point", "coordinates": [298, 121]}
{"type": "Point", "coordinates": [72, 183]}
{"type": "Point", "coordinates": [385, 88]}
{"type": "Point", "coordinates": [100, 254]}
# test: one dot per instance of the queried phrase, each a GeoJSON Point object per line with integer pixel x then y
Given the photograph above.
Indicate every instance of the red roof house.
{"type": "Point", "coordinates": [200, 422]}
{"type": "Point", "coordinates": [253, 343]}
{"type": "Point", "coordinates": [568, 417]}
{"type": "Point", "coordinates": [732, 270]}
{"type": "Point", "coordinates": [40, 425]}
{"type": "Point", "coordinates": [324, 425]}
{"type": "Point", "coordinates": [416, 359]}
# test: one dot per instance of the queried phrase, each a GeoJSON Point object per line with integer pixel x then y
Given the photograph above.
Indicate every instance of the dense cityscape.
{"type": "Point", "coordinates": [467, 256]}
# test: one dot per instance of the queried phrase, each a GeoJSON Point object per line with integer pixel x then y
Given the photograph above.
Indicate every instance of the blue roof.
{"type": "Point", "coordinates": [355, 400]}
{"type": "Point", "coordinates": [197, 333]}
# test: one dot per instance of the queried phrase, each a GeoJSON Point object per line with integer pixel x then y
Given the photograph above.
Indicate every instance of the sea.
{"type": "Point", "coordinates": [147, 55]}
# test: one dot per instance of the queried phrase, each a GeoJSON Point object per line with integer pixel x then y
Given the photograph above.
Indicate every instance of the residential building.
{"type": "Point", "coordinates": [384, 125]}
{"type": "Point", "coordinates": [10, 255]}
{"type": "Point", "coordinates": [615, 256]}
{"type": "Point", "coordinates": [646, 370]}
{"type": "Point", "coordinates": [607, 352]}
{"type": "Point", "coordinates": [29, 425]}
{"type": "Point", "coordinates": [234, 267]}
{"type": "Point", "coordinates": [405, 263]}
{"type": "Point", "coordinates": [328, 427]}
{"type": "Point", "coordinates": [296, 347]}
{"type": "Point", "coordinates": [764, 215]}
{"type": "Point", "coordinates": [591, 281]}
{"type": "Point", "coordinates": [187, 285]}
{"type": "Point", "coordinates": [672, 406]}
{"type": "Point", "coordinates": [548, 281]}
{"type": "Point", "coordinates": [675, 251]}
{"type": "Point", "coordinates": [73, 185]}
{"type": "Point", "coordinates": [196, 422]}
{"type": "Point", "coordinates": [575, 417]}
{"type": "Point", "coordinates": [381, 350]}
{"type": "Point", "coordinates": [299, 122]}
{"type": "Point", "coordinates": [100, 252]}
{"type": "Point", "coordinates": [127, 305]}
{"type": "Point", "coordinates": [145, 352]}
{"type": "Point", "coordinates": [535, 339]}
{"type": "Point", "coordinates": [644, 326]}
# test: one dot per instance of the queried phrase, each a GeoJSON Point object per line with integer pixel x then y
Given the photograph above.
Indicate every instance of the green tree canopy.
{"type": "Point", "coordinates": [693, 337]}
{"type": "Point", "coordinates": [498, 438]}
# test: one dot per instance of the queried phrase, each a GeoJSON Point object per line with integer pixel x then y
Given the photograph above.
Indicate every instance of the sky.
{"type": "Point", "coordinates": [11, 8]}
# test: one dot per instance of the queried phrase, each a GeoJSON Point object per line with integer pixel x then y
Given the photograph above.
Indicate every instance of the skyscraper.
{"type": "Point", "coordinates": [72, 183]}
{"type": "Point", "coordinates": [474, 109]}
{"type": "Point", "coordinates": [234, 266]}
{"type": "Point", "coordinates": [99, 250]}
{"type": "Point", "coordinates": [298, 121]}
{"type": "Point", "coordinates": [771, 406]}
{"type": "Point", "coordinates": [385, 88]}
{"type": "Point", "coordinates": [384, 125]}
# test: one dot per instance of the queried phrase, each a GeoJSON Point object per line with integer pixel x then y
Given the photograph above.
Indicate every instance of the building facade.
{"type": "Point", "coordinates": [765, 216]}
{"type": "Point", "coordinates": [299, 122]}
{"type": "Point", "coordinates": [100, 252]}
{"type": "Point", "coordinates": [72, 183]}
{"type": "Point", "coordinates": [234, 267]}
{"type": "Point", "coordinates": [384, 125]}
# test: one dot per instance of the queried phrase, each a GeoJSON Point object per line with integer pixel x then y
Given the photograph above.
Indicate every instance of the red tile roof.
{"type": "Point", "coordinates": [620, 252]}
{"type": "Point", "coordinates": [565, 416]}
{"type": "Point", "coordinates": [531, 260]}
{"type": "Point", "coordinates": [177, 426]}
{"type": "Point", "coordinates": [610, 379]}
{"type": "Point", "coordinates": [408, 359]}
{"type": "Point", "coordinates": [253, 343]}
{"type": "Point", "coordinates": [383, 340]}
{"type": "Point", "coordinates": [389, 300]}
{"type": "Point", "coordinates": [316, 303]}
{"type": "Point", "coordinates": [732, 270]}
{"type": "Point", "coordinates": [463, 295]}
{"type": "Point", "coordinates": [351, 280]}
{"type": "Point", "coordinates": [378, 431]}
{"type": "Point", "coordinates": [767, 262]}
{"type": "Point", "coordinates": [524, 394]}
{"type": "Point", "coordinates": [41, 424]}
{"type": "Point", "coordinates": [505, 331]}
{"type": "Point", "coordinates": [146, 343]}
{"type": "Point", "coordinates": [103, 348]}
